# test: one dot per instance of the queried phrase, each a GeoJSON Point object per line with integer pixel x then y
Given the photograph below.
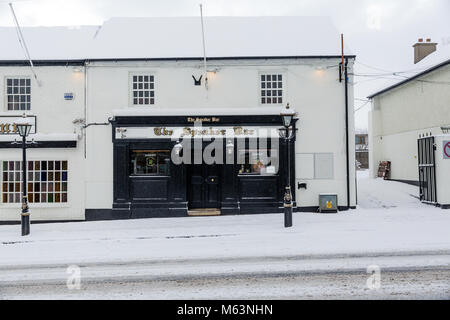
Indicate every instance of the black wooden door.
{"type": "Point", "coordinates": [203, 186]}
{"type": "Point", "coordinates": [427, 170]}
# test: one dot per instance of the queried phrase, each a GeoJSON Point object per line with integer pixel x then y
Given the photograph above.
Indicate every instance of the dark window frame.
{"type": "Point", "coordinates": [142, 89]}
{"type": "Point", "coordinates": [18, 93]}
{"type": "Point", "coordinates": [47, 182]}
{"type": "Point", "coordinates": [271, 88]}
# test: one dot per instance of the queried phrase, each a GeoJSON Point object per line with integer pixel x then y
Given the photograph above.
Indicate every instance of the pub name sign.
{"type": "Point", "coordinates": [7, 124]}
{"type": "Point", "coordinates": [196, 132]}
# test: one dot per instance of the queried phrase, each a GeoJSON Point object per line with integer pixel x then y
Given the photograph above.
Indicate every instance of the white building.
{"type": "Point", "coordinates": [416, 107]}
{"type": "Point", "coordinates": [408, 124]}
{"type": "Point", "coordinates": [109, 108]}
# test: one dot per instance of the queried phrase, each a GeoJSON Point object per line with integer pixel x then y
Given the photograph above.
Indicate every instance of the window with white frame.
{"type": "Point", "coordinates": [18, 93]}
{"type": "Point", "coordinates": [46, 181]}
{"type": "Point", "coordinates": [143, 89]}
{"type": "Point", "coordinates": [271, 86]}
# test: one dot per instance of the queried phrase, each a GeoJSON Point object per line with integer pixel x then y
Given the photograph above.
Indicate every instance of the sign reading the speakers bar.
{"type": "Point", "coordinates": [196, 132]}
{"type": "Point", "coordinates": [8, 126]}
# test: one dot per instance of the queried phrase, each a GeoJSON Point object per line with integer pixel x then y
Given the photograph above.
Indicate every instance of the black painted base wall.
{"type": "Point", "coordinates": [125, 214]}
{"type": "Point", "coordinates": [40, 222]}
{"type": "Point", "coordinates": [116, 214]}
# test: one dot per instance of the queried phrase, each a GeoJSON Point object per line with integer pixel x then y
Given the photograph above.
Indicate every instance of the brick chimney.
{"type": "Point", "coordinates": [423, 49]}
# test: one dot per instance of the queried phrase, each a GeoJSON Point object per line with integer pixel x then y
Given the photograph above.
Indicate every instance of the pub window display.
{"type": "Point", "coordinates": [257, 161]}
{"type": "Point", "coordinates": [150, 162]}
{"type": "Point", "coordinates": [47, 181]}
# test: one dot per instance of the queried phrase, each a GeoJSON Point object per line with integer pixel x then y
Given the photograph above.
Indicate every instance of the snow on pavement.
{"type": "Point", "coordinates": [378, 193]}
{"type": "Point", "coordinates": [394, 223]}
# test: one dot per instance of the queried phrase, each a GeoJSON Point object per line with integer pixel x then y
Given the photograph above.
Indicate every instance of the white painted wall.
{"type": "Point", "coordinates": [317, 95]}
{"type": "Point", "coordinates": [54, 115]}
{"type": "Point", "coordinates": [398, 117]}
{"type": "Point", "coordinates": [442, 171]}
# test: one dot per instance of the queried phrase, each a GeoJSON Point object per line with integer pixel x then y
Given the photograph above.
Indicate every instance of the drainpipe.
{"type": "Point", "coordinates": [347, 133]}
{"type": "Point", "coordinates": [85, 107]}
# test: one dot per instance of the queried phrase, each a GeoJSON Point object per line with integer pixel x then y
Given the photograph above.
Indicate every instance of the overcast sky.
{"type": "Point", "coordinates": [380, 32]}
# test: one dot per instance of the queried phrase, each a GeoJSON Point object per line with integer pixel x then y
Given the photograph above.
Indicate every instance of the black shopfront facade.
{"type": "Point", "coordinates": [147, 183]}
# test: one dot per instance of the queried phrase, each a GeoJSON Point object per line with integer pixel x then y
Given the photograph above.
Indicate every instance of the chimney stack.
{"type": "Point", "coordinates": [423, 49]}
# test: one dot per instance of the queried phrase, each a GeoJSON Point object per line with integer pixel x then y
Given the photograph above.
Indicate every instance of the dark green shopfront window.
{"type": "Point", "coordinates": [150, 162]}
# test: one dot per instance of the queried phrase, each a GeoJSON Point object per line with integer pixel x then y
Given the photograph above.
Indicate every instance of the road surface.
{"type": "Point", "coordinates": [415, 276]}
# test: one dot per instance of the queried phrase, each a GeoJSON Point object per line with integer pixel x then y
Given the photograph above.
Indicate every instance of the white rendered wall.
{"type": "Point", "coordinates": [317, 95]}
{"type": "Point", "coordinates": [442, 171]}
{"type": "Point", "coordinates": [311, 87]}
{"type": "Point", "coordinates": [400, 115]}
{"type": "Point", "coordinates": [54, 116]}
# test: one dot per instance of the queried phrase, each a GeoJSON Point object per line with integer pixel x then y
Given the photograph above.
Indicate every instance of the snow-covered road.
{"type": "Point", "coordinates": [403, 283]}
{"type": "Point", "coordinates": [390, 228]}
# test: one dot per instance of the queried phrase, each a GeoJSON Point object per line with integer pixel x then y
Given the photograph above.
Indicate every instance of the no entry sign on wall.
{"type": "Point", "coordinates": [446, 149]}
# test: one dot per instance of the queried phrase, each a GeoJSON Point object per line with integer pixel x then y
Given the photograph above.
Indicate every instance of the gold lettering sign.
{"type": "Point", "coordinates": [211, 131]}
{"type": "Point", "coordinates": [203, 132]}
{"type": "Point", "coordinates": [8, 128]}
{"type": "Point", "coordinates": [162, 132]}
{"type": "Point", "coordinates": [204, 119]}
{"type": "Point", "coordinates": [246, 132]}
{"type": "Point", "coordinates": [8, 124]}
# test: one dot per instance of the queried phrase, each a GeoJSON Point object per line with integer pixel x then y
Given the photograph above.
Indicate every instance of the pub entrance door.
{"type": "Point", "coordinates": [203, 186]}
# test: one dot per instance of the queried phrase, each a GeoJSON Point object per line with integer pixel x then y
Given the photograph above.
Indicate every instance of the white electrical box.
{"type": "Point", "coordinates": [442, 159]}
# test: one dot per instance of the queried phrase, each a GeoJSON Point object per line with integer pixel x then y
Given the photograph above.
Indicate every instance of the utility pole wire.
{"type": "Point", "coordinates": [362, 106]}
{"type": "Point", "coordinates": [12, 1]}
{"type": "Point", "coordinates": [418, 69]}
{"type": "Point", "coordinates": [23, 44]}
{"type": "Point", "coordinates": [204, 48]}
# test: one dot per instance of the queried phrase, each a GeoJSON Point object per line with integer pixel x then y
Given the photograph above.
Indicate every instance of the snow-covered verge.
{"type": "Point", "coordinates": [379, 194]}
{"type": "Point", "coordinates": [388, 220]}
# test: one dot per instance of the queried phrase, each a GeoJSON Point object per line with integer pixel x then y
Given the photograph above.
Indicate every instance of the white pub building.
{"type": "Point", "coordinates": [109, 105]}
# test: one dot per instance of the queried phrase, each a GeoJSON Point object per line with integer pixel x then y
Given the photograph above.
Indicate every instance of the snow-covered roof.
{"type": "Point", "coordinates": [158, 111]}
{"type": "Point", "coordinates": [434, 61]}
{"type": "Point", "coordinates": [178, 37]}
{"type": "Point", "coordinates": [47, 43]}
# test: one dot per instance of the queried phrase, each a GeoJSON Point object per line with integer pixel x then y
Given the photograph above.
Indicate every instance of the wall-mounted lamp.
{"type": "Point", "coordinates": [212, 71]}
{"type": "Point", "coordinates": [319, 71]}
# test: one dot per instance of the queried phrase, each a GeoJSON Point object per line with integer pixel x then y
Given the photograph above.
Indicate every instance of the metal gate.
{"type": "Point", "coordinates": [427, 170]}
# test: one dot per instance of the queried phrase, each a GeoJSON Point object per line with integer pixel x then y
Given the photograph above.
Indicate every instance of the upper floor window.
{"type": "Point", "coordinates": [18, 93]}
{"type": "Point", "coordinates": [271, 88]}
{"type": "Point", "coordinates": [143, 90]}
